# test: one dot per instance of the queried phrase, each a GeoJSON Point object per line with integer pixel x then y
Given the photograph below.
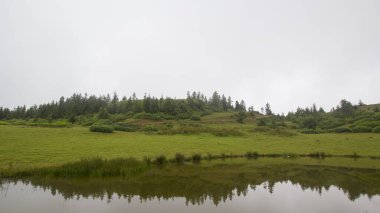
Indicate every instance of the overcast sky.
{"type": "Point", "coordinates": [288, 53]}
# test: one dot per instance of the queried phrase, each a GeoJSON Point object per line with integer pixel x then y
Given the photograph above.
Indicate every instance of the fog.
{"type": "Point", "coordinates": [288, 53]}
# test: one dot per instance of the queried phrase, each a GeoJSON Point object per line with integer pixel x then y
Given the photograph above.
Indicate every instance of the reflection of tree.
{"type": "Point", "coordinates": [217, 183]}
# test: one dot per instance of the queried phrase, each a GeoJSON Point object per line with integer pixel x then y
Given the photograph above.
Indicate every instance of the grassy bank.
{"type": "Point", "coordinates": [36, 147]}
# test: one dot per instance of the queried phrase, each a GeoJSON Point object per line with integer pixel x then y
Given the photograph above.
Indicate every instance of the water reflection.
{"type": "Point", "coordinates": [214, 185]}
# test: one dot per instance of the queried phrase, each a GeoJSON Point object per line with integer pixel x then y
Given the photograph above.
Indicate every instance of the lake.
{"type": "Point", "coordinates": [268, 185]}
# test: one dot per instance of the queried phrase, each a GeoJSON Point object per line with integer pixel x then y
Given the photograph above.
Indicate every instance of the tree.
{"type": "Point", "coordinates": [268, 110]}
{"type": "Point", "coordinates": [242, 105]}
{"type": "Point", "coordinates": [216, 103]}
{"type": "Point", "coordinates": [346, 109]}
{"type": "Point", "coordinates": [72, 119]}
{"type": "Point", "coordinates": [224, 103]}
{"type": "Point", "coordinates": [103, 114]}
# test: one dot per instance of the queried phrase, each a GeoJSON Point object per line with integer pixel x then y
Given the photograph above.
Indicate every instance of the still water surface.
{"type": "Point", "coordinates": [217, 188]}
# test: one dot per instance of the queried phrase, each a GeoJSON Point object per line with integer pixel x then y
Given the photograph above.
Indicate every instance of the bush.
{"type": "Point", "coordinates": [147, 160]}
{"type": "Point", "coordinates": [309, 123]}
{"type": "Point", "coordinates": [330, 123]}
{"type": "Point", "coordinates": [262, 129]}
{"type": "Point", "coordinates": [101, 128]}
{"type": "Point", "coordinates": [318, 155]}
{"type": "Point", "coordinates": [361, 129]}
{"type": "Point", "coordinates": [196, 158]}
{"type": "Point", "coordinates": [342, 130]}
{"type": "Point", "coordinates": [240, 117]}
{"type": "Point", "coordinates": [168, 125]}
{"type": "Point", "coordinates": [253, 155]}
{"type": "Point", "coordinates": [195, 118]}
{"type": "Point", "coordinates": [179, 158]}
{"type": "Point", "coordinates": [184, 115]}
{"type": "Point", "coordinates": [261, 122]}
{"type": "Point", "coordinates": [148, 116]}
{"type": "Point", "coordinates": [118, 117]}
{"type": "Point", "coordinates": [125, 127]}
{"type": "Point", "coordinates": [85, 120]}
{"type": "Point", "coordinates": [160, 159]}
{"type": "Point", "coordinates": [367, 123]}
{"type": "Point", "coordinates": [150, 128]}
{"type": "Point", "coordinates": [376, 129]}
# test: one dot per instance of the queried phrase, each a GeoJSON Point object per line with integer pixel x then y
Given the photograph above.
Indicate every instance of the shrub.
{"type": "Point", "coordinates": [330, 123]}
{"type": "Point", "coordinates": [361, 129]}
{"type": "Point", "coordinates": [262, 129]}
{"type": "Point", "coordinates": [195, 118]}
{"type": "Point", "coordinates": [118, 117]}
{"type": "Point", "coordinates": [184, 115]}
{"type": "Point", "coordinates": [240, 117]}
{"type": "Point", "coordinates": [179, 158]}
{"type": "Point", "coordinates": [309, 123]}
{"type": "Point", "coordinates": [160, 159]}
{"type": "Point", "coordinates": [125, 127]}
{"type": "Point", "coordinates": [318, 155]}
{"type": "Point", "coordinates": [84, 120]}
{"type": "Point", "coordinates": [367, 123]}
{"type": "Point", "coordinates": [196, 158]}
{"type": "Point", "coordinates": [149, 116]}
{"type": "Point", "coordinates": [150, 128]}
{"type": "Point", "coordinates": [147, 160]}
{"type": "Point", "coordinates": [342, 130]}
{"type": "Point", "coordinates": [168, 125]}
{"type": "Point", "coordinates": [101, 128]}
{"type": "Point", "coordinates": [72, 119]}
{"type": "Point", "coordinates": [261, 122]}
{"type": "Point", "coordinates": [376, 129]}
{"type": "Point", "coordinates": [253, 155]}
{"type": "Point", "coordinates": [210, 156]}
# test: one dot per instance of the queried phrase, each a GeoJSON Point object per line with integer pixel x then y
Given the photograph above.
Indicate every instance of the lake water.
{"type": "Point", "coordinates": [242, 187]}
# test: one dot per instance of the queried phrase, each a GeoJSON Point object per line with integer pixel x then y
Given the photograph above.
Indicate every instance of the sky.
{"type": "Point", "coordinates": [288, 53]}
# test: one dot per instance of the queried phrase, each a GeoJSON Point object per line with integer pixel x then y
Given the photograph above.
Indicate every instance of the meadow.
{"type": "Point", "coordinates": [25, 147]}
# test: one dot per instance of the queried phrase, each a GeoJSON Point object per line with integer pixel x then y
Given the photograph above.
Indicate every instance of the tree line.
{"type": "Point", "coordinates": [78, 104]}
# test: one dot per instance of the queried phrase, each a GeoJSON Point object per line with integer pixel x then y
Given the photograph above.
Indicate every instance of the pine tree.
{"type": "Point", "coordinates": [268, 110]}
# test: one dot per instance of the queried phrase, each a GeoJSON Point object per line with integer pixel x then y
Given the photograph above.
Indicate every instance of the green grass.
{"type": "Point", "coordinates": [36, 147]}
{"type": "Point", "coordinates": [94, 167]}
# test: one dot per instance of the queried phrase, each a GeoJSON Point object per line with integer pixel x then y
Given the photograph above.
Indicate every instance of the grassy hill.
{"type": "Point", "coordinates": [23, 146]}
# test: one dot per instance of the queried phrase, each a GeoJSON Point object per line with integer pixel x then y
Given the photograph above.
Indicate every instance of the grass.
{"type": "Point", "coordinates": [36, 147]}
{"type": "Point", "coordinates": [95, 167]}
